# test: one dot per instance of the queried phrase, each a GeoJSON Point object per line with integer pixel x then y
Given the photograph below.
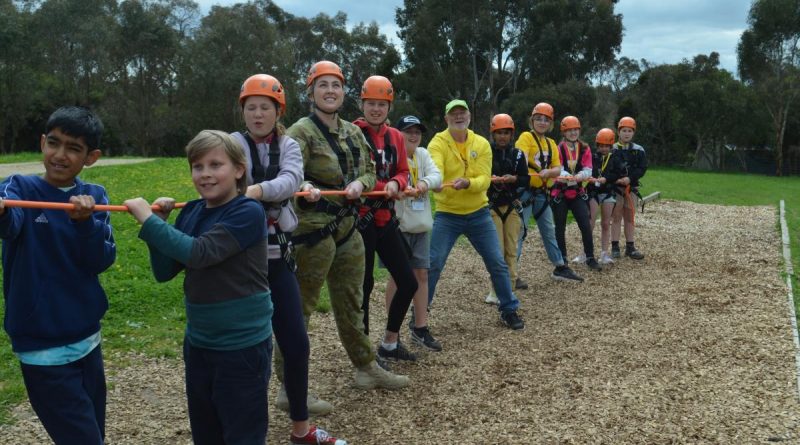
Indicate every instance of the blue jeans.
{"type": "Point", "coordinates": [481, 233]}
{"type": "Point", "coordinates": [227, 393]}
{"type": "Point", "coordinates": [545, 224]}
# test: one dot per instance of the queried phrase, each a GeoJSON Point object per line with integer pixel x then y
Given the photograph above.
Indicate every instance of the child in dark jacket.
{"type": "Point", "coordinates": [509, 179]}
{"type": "Point", "coordinates": [53, 298]}
{"type": "Point", "coordinates": [221, 242]}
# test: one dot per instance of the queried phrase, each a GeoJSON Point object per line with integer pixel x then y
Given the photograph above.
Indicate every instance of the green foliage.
{"type": "Point", "coordinates": [769, 61]}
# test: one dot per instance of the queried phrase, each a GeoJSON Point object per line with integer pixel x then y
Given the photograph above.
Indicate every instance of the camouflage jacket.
{"type": "Point", "coordinates": [321, 167]}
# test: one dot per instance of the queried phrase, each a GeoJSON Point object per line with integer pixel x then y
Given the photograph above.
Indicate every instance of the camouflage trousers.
{"type": "Point", "coordinates": [343, 268]}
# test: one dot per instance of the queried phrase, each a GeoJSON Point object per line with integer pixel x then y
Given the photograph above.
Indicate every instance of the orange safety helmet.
{"type": "Point", "coordinates": [570, 122]}
{"type": "Point", "coordinates": [545, 109]}
{"type": "Point", "coordinates": [378, 88]}
{"type": "Point", "coordinates": [323, 68]}
{"type": "Point", "coordinates": [605, 136]}
{"type": "Point", "coordinates": [264, 85]}
{"type": "Point", "coordinates": [500, 122]}
{"type": "Point", "coordinates": [626, 122]}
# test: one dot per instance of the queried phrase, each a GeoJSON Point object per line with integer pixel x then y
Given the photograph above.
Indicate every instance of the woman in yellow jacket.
{"type": "Point", "coordinates": [543, 164]}
{"type": "Point", "coordinates": [465, 160]}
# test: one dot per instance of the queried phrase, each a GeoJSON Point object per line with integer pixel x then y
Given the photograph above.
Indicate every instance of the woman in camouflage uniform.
{"type": "Point", "coordinates": [335, 157]}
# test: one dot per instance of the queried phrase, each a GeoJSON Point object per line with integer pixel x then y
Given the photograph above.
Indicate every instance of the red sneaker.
{"type": "Point", "coordinates": [316, 436]}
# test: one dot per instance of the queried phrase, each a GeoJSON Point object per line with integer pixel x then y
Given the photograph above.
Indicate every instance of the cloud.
{"type": "Point", "coordinates": [657, 30]}
{"type": "Point", "coordinates": [668, 32]}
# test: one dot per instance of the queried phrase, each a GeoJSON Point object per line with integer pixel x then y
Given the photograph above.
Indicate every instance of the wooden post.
{"type": "Point", "coordinates": [651, 197]}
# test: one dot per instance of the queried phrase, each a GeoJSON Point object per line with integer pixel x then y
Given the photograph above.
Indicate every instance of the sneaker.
{"type": "Point", "coordinates": [316, 436]}
{"type": "Point", "coordinates": [372, 376]}
{"type": "Point", "coordinates": [491, 299]}
{"type": "Point", "coordinates": [605, 258]}
{"type": "Point", "coordinates": [315, 405]}
{"type": "Point", "coordinates": [382, 363]}
{"type": "Point", "coordinates": [615, 252]}
{"type": "Point", "coordinates": [512, 320]}
{"type": "Point", "coordinates": [423, 337]}
{"type": "Point", "coordinates": [398, 353]}
{"type": "Point", "coordinates": [593, 264]}
{"type": "Point", "coordinates": [564, 273]}
{"type": "Point", "coordinates": [580, 259]}
{"type": "Point", "coordinates": [634, 254]}
{"type": "Point", "coordinates": [520, 284]}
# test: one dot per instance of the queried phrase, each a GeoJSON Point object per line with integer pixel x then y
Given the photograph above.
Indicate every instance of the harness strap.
{"type": "Point", "coordinates": [312, 238]}
{"type": "Point", "coordinates": [340, 154]}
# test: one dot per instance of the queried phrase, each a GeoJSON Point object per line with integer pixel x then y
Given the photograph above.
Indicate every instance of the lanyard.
{"type": "Point", "coordinates": [413, 169]}
{"type": "Point", "coordinates": [606, 157]}
{"type": "Point", "coordinates": [572, 163]}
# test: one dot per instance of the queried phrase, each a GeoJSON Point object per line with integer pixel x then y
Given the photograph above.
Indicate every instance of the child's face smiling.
{"type": "Point", "coordinates": [214, 176]}
{"type": "Point", "coordinates": [64, 156]}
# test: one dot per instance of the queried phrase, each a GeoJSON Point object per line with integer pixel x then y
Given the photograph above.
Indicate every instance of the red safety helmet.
{"type": "Point", "coordinates": [626, 122]}
{"type": "Point", "coordinates": [544, 109]}
{"type": "Point", "coordinates": [570, 122]}
{"type": "Point", "coordinates": [501, 121]}
{"type": "Point", "coordinates": [322, 68]}
{"type": "Point", "coordinates": [264, 85]}
{"type": "Point", "coordinates": [378, 88]}
{"type": "Point", "coordinates": [605, 136]}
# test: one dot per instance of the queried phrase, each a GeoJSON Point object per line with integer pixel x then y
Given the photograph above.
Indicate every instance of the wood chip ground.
{"type": "Point", "coordinates": [691, 345]}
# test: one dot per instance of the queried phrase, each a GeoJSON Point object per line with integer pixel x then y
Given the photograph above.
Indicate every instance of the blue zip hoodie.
{"type": "Point", "coordinates": [51, 265]}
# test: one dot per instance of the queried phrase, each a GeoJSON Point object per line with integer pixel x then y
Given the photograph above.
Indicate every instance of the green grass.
{"type": "Point", "coordinates": [24, 156]}
{"type": "Point", "coordinates": [148, 317]}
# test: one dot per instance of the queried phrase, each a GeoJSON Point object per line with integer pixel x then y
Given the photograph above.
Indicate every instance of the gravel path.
{"type": "Point", "coordinates": [30, 168]}
{"type": "Point", "coordinates": [691, 345]}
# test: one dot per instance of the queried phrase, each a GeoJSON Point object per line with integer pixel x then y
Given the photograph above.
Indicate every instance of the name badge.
{"type": "Point", "coordinates": [418, 205]}
{"type": "Point", "coordinates": [571, 183]}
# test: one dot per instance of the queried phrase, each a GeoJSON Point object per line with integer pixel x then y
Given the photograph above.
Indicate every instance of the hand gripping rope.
{"type": "Point", "coordinates": [123, 208]}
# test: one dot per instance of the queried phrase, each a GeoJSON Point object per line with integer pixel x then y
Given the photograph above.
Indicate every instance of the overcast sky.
{"type": "Point", "coordinates": [661, 31]}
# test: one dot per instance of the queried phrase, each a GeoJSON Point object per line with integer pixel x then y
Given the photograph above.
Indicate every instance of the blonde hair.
{"type": "Point", "coordinates": [549, 129]}
{"type": "Point", "coordinates": [208, 140]}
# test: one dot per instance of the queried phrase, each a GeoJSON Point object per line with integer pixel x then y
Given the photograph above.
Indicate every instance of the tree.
{"type": "Point", "coordinates": [769, 60]}
{"type": "Point", "coordinates": [17, 89]}
{"type": "Point", "coordinates": [486, 51]}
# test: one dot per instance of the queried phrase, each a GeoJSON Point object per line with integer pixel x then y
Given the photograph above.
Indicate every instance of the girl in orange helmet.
{"type": "Point", "coordinates": [568, 193]}
{"type": "Point", "coordinates": [606, 169]}
{"type": "Point", "coordinates": [377, 219]}
{"type": "Point", "coordinates": [634, 159]}
{"type": "Point", "coordinates": [544, 164]}
{"type": "Point", "coordinates": [274, 172]}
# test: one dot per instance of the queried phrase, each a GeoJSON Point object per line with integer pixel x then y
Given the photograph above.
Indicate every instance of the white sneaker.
{"type": "Point", "coordinates": [580, 259]}
{"type": "Point", "coordinates": [491, 299]}
{"type": "Point", "coordinates": [605, 258]}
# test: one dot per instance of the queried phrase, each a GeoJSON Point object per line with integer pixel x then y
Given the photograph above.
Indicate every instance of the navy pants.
{"type": "Point", "coordinates": [289, 329]}
{"type": "Point", "coordinates": [227, 393]}
{"type": "Point", "coordinates": [70, 399]}
{"type": "Point", "coordinates": [387, 242]}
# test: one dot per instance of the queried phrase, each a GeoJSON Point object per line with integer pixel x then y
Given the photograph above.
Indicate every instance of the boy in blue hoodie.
{"type": "Point", "coordinates": [53, 298]}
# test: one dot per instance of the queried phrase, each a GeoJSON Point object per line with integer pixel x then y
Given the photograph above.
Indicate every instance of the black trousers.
{"type": "Point", "coordinates": [580, 210]}
{"type": "Point", "coordinates": [388, 243]}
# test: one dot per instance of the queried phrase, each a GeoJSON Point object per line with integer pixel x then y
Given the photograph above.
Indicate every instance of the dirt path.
{"type": "Point", "coordinates": [29, 168]}
{"type": "Point", "coordinates": [691, 345]}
